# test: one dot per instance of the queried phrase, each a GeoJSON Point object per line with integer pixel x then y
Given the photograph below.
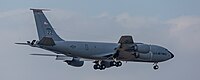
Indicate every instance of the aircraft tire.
{"type": "Point", "coordinates": [96, 66]}
{"type": "Point", "coordinates": [118, 64]}
{"type": "Point", "coordinates": [102, 67]}
{"type": "Point", "coordinates": [112, 63]}
{"type": "Point", "coordinates": [155, 67]}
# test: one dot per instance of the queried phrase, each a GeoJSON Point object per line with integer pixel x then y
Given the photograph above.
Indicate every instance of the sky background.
{"type": "Point", "coordinates": [174, 24]}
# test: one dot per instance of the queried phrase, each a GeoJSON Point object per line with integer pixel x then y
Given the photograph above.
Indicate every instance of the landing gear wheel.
{"type": "Point", "coordinates": [96, 66]}
{"type": "Point", "coordinates": [102, 67]}
{"type": "Point", "coordinates": [113, 63]}
{"type": "Point", "coordinates": [155, 67]}
{"type": "Point", "coordinates": [118, 64]}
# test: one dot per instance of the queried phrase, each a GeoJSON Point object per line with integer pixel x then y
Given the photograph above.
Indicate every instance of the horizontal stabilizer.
{"type": "Point", "coordinates": [45, 55]}
{"type": "Point", "coordinates": [22, 43]}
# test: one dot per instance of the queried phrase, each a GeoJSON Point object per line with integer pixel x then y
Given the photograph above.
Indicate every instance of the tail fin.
{"type": "Point", "coordinates": [44, 28]}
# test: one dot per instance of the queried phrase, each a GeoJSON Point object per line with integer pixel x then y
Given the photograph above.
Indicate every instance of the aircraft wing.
{"type": "Point", "coordinates": [126, 40]}
{"type": "Point", "coordinates": [61, 57]}
{"type": "Point", "coordinates": [126, 48]}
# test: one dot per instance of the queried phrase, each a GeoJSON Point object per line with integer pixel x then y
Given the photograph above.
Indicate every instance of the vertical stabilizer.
{"type": "Point", "coordinates": [44, 28]}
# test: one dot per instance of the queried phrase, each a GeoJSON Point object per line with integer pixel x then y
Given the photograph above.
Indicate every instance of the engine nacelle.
{"type": "Point", "coordinates": [142, 48]}
{"type": "Point", "coordinates": [75, 63]}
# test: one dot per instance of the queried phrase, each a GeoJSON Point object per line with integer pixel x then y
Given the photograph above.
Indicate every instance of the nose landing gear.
{"type": "Point", "coordinates": [155, 67]}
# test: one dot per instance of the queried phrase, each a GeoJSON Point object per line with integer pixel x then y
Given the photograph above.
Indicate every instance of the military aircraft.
{"type": "Point", "coordinates": [103, 55]}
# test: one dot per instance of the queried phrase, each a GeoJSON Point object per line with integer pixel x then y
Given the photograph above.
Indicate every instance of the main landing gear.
{"type": "Point", "coordinates": [101, 65]}
{"type": "Point", "coordinates": [117, 64]}
{"type": "Point", "coordinates": [155, 67]}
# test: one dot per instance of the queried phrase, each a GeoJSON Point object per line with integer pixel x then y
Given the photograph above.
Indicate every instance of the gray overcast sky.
{"type": "Point", "coordinates": [174, 24]}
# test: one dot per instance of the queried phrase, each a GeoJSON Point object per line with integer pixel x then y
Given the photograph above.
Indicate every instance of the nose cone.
{"type": "Point", "coordinates": [172, 55]}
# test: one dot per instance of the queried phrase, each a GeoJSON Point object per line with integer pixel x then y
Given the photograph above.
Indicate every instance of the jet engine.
{"type": "Point", "coordinates": [75, 63]}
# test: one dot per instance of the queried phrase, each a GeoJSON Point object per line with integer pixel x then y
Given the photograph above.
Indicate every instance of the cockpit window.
{"type": "Point", "coordinates": [168, 51]}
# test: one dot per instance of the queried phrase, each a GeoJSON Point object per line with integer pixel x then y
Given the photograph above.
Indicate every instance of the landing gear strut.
{"type": "Point", "coordinates": [136, 55]}
{"type": "Point", "coordinates": [155, 67]}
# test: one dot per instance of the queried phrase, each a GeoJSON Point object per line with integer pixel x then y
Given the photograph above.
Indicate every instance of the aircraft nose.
{"type": "Point", "coordinates": [172, 55]}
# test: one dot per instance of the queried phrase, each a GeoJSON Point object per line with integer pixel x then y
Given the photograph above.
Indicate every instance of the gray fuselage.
{"type": "Point", "coordinates": [97, 50]}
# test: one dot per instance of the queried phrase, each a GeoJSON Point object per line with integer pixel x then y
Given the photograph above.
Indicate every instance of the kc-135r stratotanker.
{"type": "Point", "coordinates": [103, 55]}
